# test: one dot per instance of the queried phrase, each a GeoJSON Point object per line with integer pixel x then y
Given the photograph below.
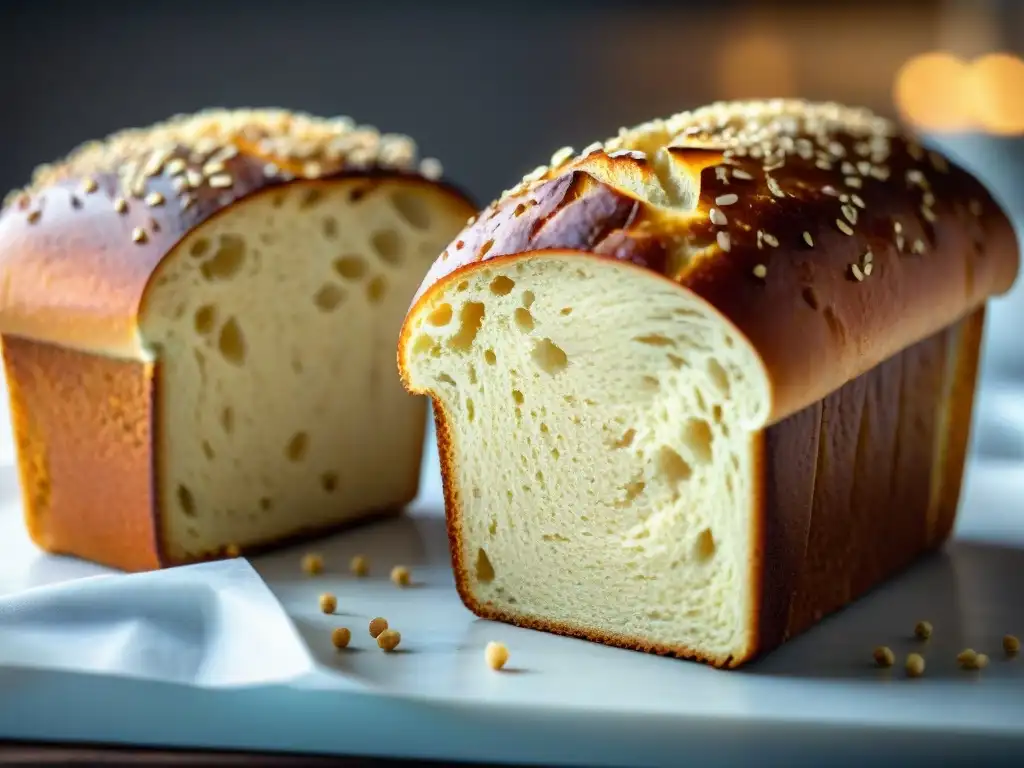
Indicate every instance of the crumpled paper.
{"type": "Point", "coordinates": [212, 625]}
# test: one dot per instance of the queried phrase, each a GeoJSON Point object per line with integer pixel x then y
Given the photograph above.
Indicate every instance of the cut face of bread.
{"type": "Point", "coordinates": [273, 327]}
{"type": "Point", "coordinates": [598, 433]}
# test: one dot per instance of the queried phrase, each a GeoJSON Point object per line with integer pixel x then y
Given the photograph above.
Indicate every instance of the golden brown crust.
{"type": "Point", "coordinates": [845, 234]}
{"type": "Point", "coordinates": [78, 247]}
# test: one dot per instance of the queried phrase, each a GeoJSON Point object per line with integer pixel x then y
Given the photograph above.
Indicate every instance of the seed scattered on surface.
{"type": "Point", "coordinates": [918, 247]}
{"type": "Point", "coordinates": [220, 181]}
{"type": "Point", "coordinates": [771, 240]}
{"type": "Point", "coordinates": [741, 174]}
{"type": "Point", "coordinates": [312, 564]}
{"type": "Point", "coordinates": [914, 665]}
{"type": "Point", "coordinates": [728, 199]}
{"type": "Point", "coordinates": [175, 166]}
{"type": "Point", "coordinates": [359, 565]}
{"type": "Point", "coordinates": [496, 655]}
{"type": "Point", "coordinates": [89, 186]}
{"type": "Point", "coordinates": [341, 637]}
{"type": "Point", "coordinates": [388, 640]}
{"type": "Point", "coordinates": [34, 216]}
{"type": "Point", "coordinates": [724, 242]}
{"type": "Point", "coordinates": [377, 626]}
{"type": "Point", "coordinates": [923, 630]}
{"type": "Point", "coordinates": [928, 214]}
{"type": "Point", "coordinates": [760, 271]}
{"type": "Point", "coordinates": [328, 602]}
{"type": "Point", "coordinates": [773, 187]}
{"type": "Point", "coordinates": [808, 239]}
{"type": "Point", "coordinates": [968, 658]}
{"type": "Point", "coordinates": [561, 156]}
{"type": "Point", "coordinates": [857, 273]}
{"type": "Point", "coordinates": [717, 217]}
{"type": "Point", "coordinates": [850, 213]}
{"type": "Point", "coordinates": [120, 205]}
{"type": "Point", "coordinates": [884, 656]}
{"type": "Point", "coordinates": [843, 227]}
{"type": "Point", "coordinates": [153, 199]}
{"type": "Point", "coordinates": [853, 181]}
{"type": "Point", "coordinates": [400, 576]}
{"type": "Point", "coordinates": [1011, 645]}
{"type": "Point", "coordinates": [855, 199]}
{"type": "Point", "coordinates": [139, 235]}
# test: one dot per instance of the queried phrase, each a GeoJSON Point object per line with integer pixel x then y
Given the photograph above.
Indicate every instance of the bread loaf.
{"type": "Point", "coordinates": [707, 382]}
{"type": "Point", "coordinates": [198, 324]}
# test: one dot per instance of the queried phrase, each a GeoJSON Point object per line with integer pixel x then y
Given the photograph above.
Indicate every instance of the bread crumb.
{"type": "Point", "coordinates": [377, 626]}
{"type": "Point", "coordinates": [328, 602]}
{"type": "Point", "coordinates": [981, 661]}
{"type": "Point", "coordinates": [312, 564]}
{"type": "Point", "coordinates": [923, 630]}
{"type": "Point", "coordinates": [915, 665]}
{"type": "Point", "coordinates": [884, 656]}
{"type": "Point", "coordinates": [359, 565]}
{"type": "Point", "coordinates": [1011, 645]}
{"type": "Point", "coordinates": [340, 637]}
{"type": "Point", "coordinates": [496, 655]}
{"type": "Point", "coordinates": [400, 575]}
{"type": "Point", "coordinates": [388, 640]}
{"type": "Point", "coordinates": [232, 550]}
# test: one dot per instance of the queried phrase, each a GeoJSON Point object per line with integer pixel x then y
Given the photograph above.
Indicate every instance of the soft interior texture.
{"type": "Point", "coordinates": [275, 327]}
{"type": "Point", "coordinates": [602, 434]}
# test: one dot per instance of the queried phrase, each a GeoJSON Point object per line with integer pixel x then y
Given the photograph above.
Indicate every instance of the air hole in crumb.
{"type": "Point", "coordinates": [493, 527]}
{"type": "Point", "coordinates": [440, 316]}
{"type": "Point", "coordinates": [279, 200]}
{"type": "Point", "coordinates": [523, 319]}
{"type": "Point", "coordinates": [444, 378]}
{"type": "Point", "coordinates": [489, 357]}
{"type": "Point", "coordinates": [716, 414]}
{"type": "Point", "coordinates": [484, 569]}
{"type": "Point", "coordinates": [330, 227]}
{"type": "Point", "coordinates": [470, 409]}
{"type": "Point", "coordinates": [705, 546]}
{"type": "Point", "coordinates": [205, 318]}
{"type": "Point", "coordinates": [565, 311]}
{"type": "Point", "coordinates": [810, 298]}
{"type": "Point", "coordinates": [632, 491]}
{"type": "Point", "coordinates": [672, 468]}
{"type": "Point", "coordinates": [626, 440]}
{"type": "Point", "coordinates": [329, 481]}
{"type": "Point", "coordinates": [528, 299]}
{"type": "Point", "coordinates": [228, 259]}
{"type": "Point", "coordinates": [412, 207]}
{"type": "Point", "coordinates": [328, 297]}
{"type": "Point", "coordinates": [388, 245]}
{"type": "Point", "coordinates": [227, 419]}
{"type": "Point", "coordinates": [655, 340]}
{"type": "Point", "coordinates": [485, 248]}
{"type": "Point", "coordinates": [677, 362]}
{"type": "Point", "coordinates": [297, 447]}
{"type": "Point", "coordinates": [650, 383]}
{"type": "Point", "coordinates": [517, 396]}
{"type": "Point", "coordinates": [311, 197]}
{"type": "Point", "coordinates": [698, 436]}
{"type": "Point", "coordinates": [265, 503]}
{"type": "Point", "coordinates": [199, 248]}
{"type": "Point", "coordinates": [376, 288]}
{"type": "Point", "coordinates": [471, 317]}
{"type": "Point", "coordinates": [502, 286]}
{"type": "Point", "coordinates": [718, 376]}
{"type": "Point", "coordinates": [423, 344]}
{"type": "Point", "coordinates": [472, 374]}
{"type": "Point", "coordinates": [350, 267]}
{"type": "Point", "coordinates": [208, 450]}
{"type": "Point", "coordinates": [186, 501]}
{"type": "Point", "coordinates": [231, 342]}
{"type": "Point", "coordinates": [549, 357]}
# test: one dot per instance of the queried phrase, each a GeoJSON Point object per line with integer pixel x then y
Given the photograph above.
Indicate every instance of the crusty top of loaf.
{"type": "Point", "coordinates": [79, 244]}
{"type": "Point", "coordinates": [828, 236]}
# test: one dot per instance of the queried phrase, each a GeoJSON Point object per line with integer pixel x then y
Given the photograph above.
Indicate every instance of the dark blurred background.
{"type": "Point", "coordinates": [493, 87]}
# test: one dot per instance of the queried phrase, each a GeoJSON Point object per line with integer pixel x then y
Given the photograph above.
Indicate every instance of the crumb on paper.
{"type": "Point", "coordinates": [914, 665]}
{"type": "Point", "coordinates": [377, 626]}
{"type": "Point", "coordinates": [923, 630]}
{"type": "Point", "coordinates": [359, 565]}
{"type": "Point", "coordinates": [1011, 645]}
{"type": "Point", "coordinates": [884, 656]}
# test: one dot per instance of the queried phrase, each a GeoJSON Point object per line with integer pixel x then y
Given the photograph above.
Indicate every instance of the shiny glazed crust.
{"type": "Point", "coordinates": [78, 249]}
{"type": "Point", "coordinates": [858, 265]}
